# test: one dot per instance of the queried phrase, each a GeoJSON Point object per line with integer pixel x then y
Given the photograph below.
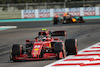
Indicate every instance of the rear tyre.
{"type": "Point", "coordinates": [58, 47]}
{"type": "Point", "coordinates": [71, 46]}
{"type": "Point", "coordinates": [57, 56]}
{"type": "Point", "coordinates": [55, 21]}
{"type": "Point", "coordinates": [16, 50]}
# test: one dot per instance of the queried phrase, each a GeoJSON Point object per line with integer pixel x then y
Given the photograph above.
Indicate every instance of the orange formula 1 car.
{"type": "Point", "coordinates": [45, 46]}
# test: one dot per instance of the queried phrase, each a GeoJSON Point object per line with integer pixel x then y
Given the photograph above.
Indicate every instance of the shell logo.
{"type": "Point", "coordinates": [36, 49]}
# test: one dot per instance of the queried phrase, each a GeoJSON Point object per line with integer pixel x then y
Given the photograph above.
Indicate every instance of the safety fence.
{"type": "Point", "coordinates": [45, 13]}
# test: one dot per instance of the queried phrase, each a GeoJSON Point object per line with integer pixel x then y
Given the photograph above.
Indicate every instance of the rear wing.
{"type": "Point", "coordinates": [55, 33]}
{"type": "Point", "coordinates": [59, 33]}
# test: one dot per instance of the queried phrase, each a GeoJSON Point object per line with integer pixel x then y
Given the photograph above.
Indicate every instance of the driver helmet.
{"type": "Point", "coordinates": [65, 14]}
{"type": "Point", "coordinates": [56, 16]}
{"type": "Point", "coordinates": [46, 31]}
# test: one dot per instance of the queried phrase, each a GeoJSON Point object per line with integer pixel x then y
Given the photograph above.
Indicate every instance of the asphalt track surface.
{"type": "Point", "coordinates": [87, 34]}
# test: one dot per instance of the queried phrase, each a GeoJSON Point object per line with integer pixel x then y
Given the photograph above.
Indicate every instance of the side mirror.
{"type": "Point", "coordinates": [59, 33]}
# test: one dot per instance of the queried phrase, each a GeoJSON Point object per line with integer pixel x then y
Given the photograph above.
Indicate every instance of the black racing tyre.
{"type": "Point", "coordinates": [57, 56]}
{"type": "Point", "coordinates": [70, 20]}
{"type": "Point", "coordinates": [39, 33]}
{"type": "Point", "coordinates": [58, 47]}
{"type": "Point", "coordinates": [55, 21]}
{"type": "Point", "coordinates": [71, 46]}
{"type": "Point", "coordinates": [16, 50]}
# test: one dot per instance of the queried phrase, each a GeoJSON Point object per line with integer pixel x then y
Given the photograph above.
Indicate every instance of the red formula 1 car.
{"type": "Point", "coordinates": [44, 47]}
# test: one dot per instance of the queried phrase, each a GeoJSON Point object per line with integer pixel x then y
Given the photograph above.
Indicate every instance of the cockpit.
{"type": "Point", "coordinates": [43, 38]}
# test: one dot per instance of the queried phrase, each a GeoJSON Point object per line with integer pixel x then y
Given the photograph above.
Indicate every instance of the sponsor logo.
{"type": "Point", "coordinates": [36, 49]}
{"type": "Point", "coordinates": [35, 53]}
{"type": "Point", "coordinates": [89, 11]}
{"type": "Point", "coordinates": [59, 12]}
{"type": "Point", "coordinates": [44, 13]}
{"type": "Point", "coordinates": [74, 11]}
{"type": "Point", "coordinates": [29, 13]}
{"type": "Point", "coordinates": [37, 46]}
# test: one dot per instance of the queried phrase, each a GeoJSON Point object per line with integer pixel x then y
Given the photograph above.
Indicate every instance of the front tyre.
{"type": "Point", "coordinates": [16, 50]}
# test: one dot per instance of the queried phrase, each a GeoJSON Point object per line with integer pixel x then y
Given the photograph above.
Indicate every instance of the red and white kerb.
{"type": "Point", "coordinates": [88, 57]}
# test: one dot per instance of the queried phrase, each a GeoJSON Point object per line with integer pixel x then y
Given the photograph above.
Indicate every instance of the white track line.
{"type": "Point", "coordinates": [8, 26]}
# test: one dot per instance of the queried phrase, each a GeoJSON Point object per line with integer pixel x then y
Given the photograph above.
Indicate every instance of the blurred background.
{"type": "Point", "coordinates": [11, 9]}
